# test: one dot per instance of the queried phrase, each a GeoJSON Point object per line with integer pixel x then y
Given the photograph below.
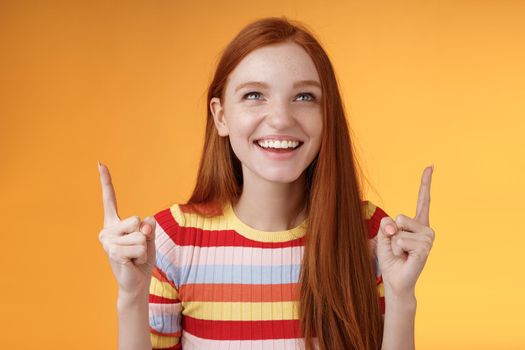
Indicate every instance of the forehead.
{"type": "Point", "coordinates": [277, 64]}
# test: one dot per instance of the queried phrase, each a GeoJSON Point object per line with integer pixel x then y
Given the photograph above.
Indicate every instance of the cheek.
{"type": "Point", "coordinates": [243, 124]}
{"type": "Point", "coordinates": [313, 125]}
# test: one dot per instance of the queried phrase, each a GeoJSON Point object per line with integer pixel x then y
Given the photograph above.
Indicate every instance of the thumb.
{"type": "Point", "coordinates": [148, 228]}
{"type": "Point", "coordinates": [387, 229]}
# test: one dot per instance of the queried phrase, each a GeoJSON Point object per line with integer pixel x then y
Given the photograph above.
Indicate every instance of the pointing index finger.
{"type": "Point", "coordinates": [109, 200]}
{"type": "Point", "coordinates": [423, 201]}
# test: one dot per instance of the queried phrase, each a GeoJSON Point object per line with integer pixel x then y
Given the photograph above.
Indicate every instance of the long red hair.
{"type": "Point", "coordinates": [339, 301]}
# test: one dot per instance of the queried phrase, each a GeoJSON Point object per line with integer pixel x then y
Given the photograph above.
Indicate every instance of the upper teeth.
{"type": "Point", "coordinates": [277, 144]}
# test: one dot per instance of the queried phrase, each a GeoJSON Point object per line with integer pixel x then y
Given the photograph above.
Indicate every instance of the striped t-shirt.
{"type": "Point", "coordinates": [221, 284]}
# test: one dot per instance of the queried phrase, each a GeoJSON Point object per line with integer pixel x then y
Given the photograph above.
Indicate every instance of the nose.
{"type": "Point", "coordinates": [280, 115]}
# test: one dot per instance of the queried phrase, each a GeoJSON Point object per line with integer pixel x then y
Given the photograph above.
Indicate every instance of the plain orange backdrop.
{"type": "Point", "coordinates": [124, 82]}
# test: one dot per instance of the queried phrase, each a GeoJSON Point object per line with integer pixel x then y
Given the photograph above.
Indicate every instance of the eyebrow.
{"type": "Point", "coordinates": [264, 85]}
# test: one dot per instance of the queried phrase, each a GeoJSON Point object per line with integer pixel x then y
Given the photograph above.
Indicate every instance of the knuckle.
{"type": "Point", "coordinates": [432, 234]}
{"type": "Point", "coordinates": [130, 220]}
{"type": "Point", "coordinates": [134, 220]}
{"type": "Point", "coordinates": [136, 237]}
{"type": "Point", "coordinates": [427, 240]}
{"type": "Point", "coordinates": [112, 254]}
{"type": "Point", "coordinates": [421, 254]}
{"type": "Point", "coordinates": [142, 250]}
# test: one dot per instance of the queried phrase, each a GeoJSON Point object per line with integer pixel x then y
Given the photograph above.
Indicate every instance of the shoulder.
{"type": "Point", "coordinates": [171, 214]}
{"type": "Point", "coordinates": [372, 214]}
{"type": "Point", "coordinates": [178, 216]}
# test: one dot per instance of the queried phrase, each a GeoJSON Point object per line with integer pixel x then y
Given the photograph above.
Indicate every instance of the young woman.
{"type": "Point", "coordinates": [275, 249]}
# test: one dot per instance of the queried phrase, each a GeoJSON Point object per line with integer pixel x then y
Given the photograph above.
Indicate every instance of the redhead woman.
{"type": "Point", "coordinates": [276, 248]}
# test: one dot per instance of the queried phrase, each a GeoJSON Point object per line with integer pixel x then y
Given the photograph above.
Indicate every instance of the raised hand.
{"type": "Point", "coordinates": [404, 244]}
{"type": "Point", "coordinates": [129, 243]}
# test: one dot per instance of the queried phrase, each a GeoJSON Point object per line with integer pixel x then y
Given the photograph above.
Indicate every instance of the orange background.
{"type": "Point", "coordinates": [125, 82]}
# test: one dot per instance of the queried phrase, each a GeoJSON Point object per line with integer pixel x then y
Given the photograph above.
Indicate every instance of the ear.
{"type": "Point", "coordinates": [218, 116]}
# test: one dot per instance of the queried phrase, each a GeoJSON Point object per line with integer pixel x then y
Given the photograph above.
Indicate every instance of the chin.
{"type": "Point", "coordinates": [280, 177]}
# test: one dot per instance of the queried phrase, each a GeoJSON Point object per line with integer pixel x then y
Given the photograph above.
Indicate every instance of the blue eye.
{"type": "Point", "coordinates": [250, 93]}
{"type": "Point", "coordinates": [312, 96]}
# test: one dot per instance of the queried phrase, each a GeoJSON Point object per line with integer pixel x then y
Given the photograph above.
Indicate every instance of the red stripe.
{"type": "Point", "coordinates": [175, 347]}
{"type": "Point", "coordinates": [176, 334]}
{"type": "Point", "coordinates": [197, 237]}
{"type": "Point", "coordinates": [160, 275]}
{"type": "Point", "coordinates": [375, 221]}
{"type": "Point", "coordinates": [241, 330]}
{"type": "Point", "coordinates": [379, 279]}
{"type": "Point", "coordinates": [161, 300]}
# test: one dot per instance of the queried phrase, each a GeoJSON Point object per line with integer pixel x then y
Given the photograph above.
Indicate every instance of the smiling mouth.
{"type": "Point", "coordinates": [278, 150]}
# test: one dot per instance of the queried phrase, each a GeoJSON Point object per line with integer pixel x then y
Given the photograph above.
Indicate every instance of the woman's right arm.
{"type": "Point", "coordinates": [133, 323]}
{"type": "Point", "coordinates": [130, 245]}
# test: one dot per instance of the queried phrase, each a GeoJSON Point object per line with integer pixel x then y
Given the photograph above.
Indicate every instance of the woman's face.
{"type": "Point", "coordinates": [274, 94]}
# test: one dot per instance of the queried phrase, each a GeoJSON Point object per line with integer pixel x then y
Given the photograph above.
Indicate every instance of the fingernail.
{"type": "Point", "coordinates": [390, 229]}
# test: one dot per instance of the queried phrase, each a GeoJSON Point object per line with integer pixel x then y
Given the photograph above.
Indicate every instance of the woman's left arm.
{"type": "Point", "coordinates": [400, 314]}
{"type": "Point", "coordinates": [403, 247]}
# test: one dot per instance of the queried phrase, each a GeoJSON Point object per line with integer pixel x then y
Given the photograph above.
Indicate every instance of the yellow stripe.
{"type": "Point", "coordinates": [178, 215]}
{"type": "Point", "coordinates": [162, 289]}
{"type": "Point", "coordinates": [241, 311]}
{"type": "Point", "coordinates": [230, 221]}
{"type": "Point", "coordinates": [161, 341]}
{"type": "Point", "coordinates": [196, 220]}
{"type": "Point", "coordinates": [381, 289]}
{"type": "Point", "coordinates": [221, 222]}
{"type": "Point", "coordinates": [369, 209]}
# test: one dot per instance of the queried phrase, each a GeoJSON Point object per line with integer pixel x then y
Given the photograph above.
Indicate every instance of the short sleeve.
{"type": "Point", "coordinates": [165, 308]}
{"type": "Point", "coordinates": [373, 216]}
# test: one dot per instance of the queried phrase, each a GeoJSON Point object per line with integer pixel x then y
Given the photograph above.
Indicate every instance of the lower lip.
{"type": "Point", "coordinates": [277, 155]}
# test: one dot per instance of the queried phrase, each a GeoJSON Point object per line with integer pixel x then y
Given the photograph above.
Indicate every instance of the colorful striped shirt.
{"type": "Point", "coordinates": [221, 284]}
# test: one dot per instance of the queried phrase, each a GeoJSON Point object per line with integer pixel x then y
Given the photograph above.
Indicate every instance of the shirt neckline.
{"type": "Point", "coordinates": [258, 235]}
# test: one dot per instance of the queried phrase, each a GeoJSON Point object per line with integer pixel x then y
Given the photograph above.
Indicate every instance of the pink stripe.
{"type": "Point", "coordinates": [195, 255]}
{"type": "Point", "coordinates": [164, 309]}
{"type": "Point", "coordinates": [191, 341]}
{"type": "Point", "coordinates": [188, 255]}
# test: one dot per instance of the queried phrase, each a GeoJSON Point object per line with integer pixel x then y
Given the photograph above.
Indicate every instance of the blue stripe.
{"type": "Point", "coordinates": [243, 274]}
{"type": "Point", "coordinates": [166, 323]}
{"type": "Point", "coordinates": [168, 268]}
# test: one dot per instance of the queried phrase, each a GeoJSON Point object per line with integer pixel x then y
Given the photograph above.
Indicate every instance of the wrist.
{"type": "Point", "coordinates": [406, 302]}
{"type": "Point", "coordinates": [400, 298]}
{"type": "Point", "coordinates": [128, 299]}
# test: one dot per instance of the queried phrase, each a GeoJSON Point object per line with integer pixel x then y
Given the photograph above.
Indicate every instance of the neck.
{"type": "Point", "coordinates": [271, 206]}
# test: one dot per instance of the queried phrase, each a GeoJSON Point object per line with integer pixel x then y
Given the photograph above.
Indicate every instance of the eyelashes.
{"type": "Point", "coordinates": [311, 96]}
